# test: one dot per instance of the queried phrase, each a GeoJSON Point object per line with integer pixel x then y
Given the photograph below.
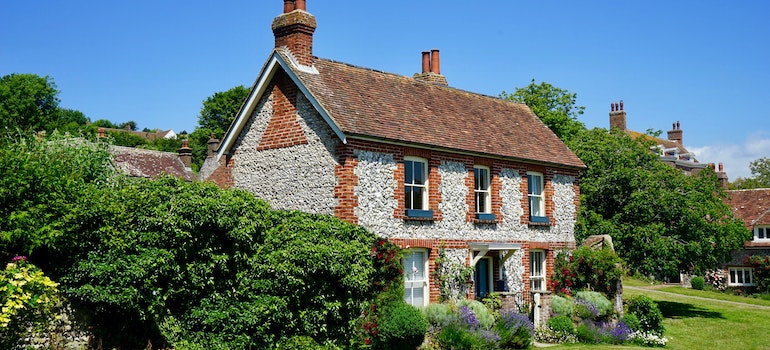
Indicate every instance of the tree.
{"type": "Point", "coordinates": [760, 176]}
{"type": "Point", "coordinates": [70, 120]}
{"type": "Point", "coordinates": [217, 114]}
{"type": "Point", "coordinates": [219, 110]}
{"type": "Point", "coordinates": [41, 184]}
{"type": "Point", "coordinates": [662, 222]}
{"type": "Point", "coordinates": [554, 106]}
{"type": "Point", "coordinates": [27, 102]}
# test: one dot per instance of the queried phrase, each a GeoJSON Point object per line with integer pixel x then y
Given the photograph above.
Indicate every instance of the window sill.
{"type": "Point", "coordinates": [484, 218]}
{"type": "Point", "coordinates": [539, 221]}
{"type": "Point", "coordinates": [418, 215]}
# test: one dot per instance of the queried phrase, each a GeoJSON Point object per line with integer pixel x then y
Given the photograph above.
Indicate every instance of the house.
{"type": "Point", "coordinates": [149, 136]}
{"type": "Point", "coordinates": [671, 149]}
{"type": "Point", "coordinates": [144, 163]}
{"type": "Point", "coordinates": [428, 166]}
{"type": "Point", "coordinates": [753, 207]}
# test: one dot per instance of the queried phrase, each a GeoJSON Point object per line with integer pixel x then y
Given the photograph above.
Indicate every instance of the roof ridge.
{"type": "Point", "coordinates": [416, 80]}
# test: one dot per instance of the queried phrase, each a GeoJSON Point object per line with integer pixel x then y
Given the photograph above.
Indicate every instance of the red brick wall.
{"type": "Point", "coordinates": [283, 129]}
{"type": "Point", "coordinates": [223, 175]}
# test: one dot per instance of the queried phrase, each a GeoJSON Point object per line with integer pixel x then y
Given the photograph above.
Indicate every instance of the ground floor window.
{"type": "Point", "coordinates": [416, 277]}
{"type": "Point", "coordinates": [537, 269]}
{"type": "Point", "coordinates": [740, 276]}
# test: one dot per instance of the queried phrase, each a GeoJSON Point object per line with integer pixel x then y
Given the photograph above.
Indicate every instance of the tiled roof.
{"type": "Point", "coordinates": [753, 206]}
{"type": "Point", "coordinates": [139, 162]}
{"type": "Point", "coordinates": [368, 103]}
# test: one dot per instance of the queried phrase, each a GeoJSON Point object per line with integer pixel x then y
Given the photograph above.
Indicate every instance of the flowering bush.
{"type": "Point", "coordinates": [761, 265]}
{"type": "Point", "coordinates": [647, 339]}
{"type": "Point", "coordinates": [515, 330]}
{"type": "Point", "coordinates": [716, 279]}
{"type": "Point", "coordinates": [27, 298]}
{"type": "Point", "coordinates": [548, 335]}
{"type": "Point", "coordinates": [586, 268]}
{"type": "Point", "coordinates": [650, 317]}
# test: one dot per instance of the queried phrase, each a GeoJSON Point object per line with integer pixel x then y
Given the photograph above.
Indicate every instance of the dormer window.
{"type": "Point", "coordinates": [762, 233]}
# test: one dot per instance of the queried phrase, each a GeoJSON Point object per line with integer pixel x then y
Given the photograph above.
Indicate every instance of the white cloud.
{"type": "Point", "coordinates": [735, 157]}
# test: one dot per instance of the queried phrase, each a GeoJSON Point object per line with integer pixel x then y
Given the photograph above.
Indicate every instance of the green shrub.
{"type": "Point", "coordinates": [650, 317]}
{"type": "Point", "coordinates": [586, 332]}
{"type": "Point", "coordinates": [585, 267]}
{"type": "Point", "coordinates": [632, 322]}
{"type": "Point", "coordinates": [561, 324]}
{"type": "Point", "coordinates": [515, 330]}
{"type": "Point", "coordinates": [698, 283]}
{"type": "Point", "coordinates": [401, 327]}
{"type": "Point", "coordinates": [562, 305]}
{"type": "Point", "coordinates": [28, 298]}
{"type": "Point", "coordinates": [603, 307]}
{"type": "Point", "coordinates": [438, 315]}
{"type": "Point", "coordinates": [483, 315]}
{"type": "Point", "coordinates": [455, 336]}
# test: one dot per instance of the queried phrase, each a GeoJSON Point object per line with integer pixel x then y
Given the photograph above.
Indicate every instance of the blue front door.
{"type": "Point", "coordinates": [482, 278]}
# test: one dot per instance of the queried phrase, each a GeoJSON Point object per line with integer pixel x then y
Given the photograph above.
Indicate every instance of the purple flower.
{"type": "Point", "coordinates": [19, 258]}
{"type": "Point", "coordinates": [514, 320]}
{"type": "Point", "coordinates": [620, 333]}
{"type": "Point", "coordinates": [468, 318]}
{"type": "Point", "coordinates": [586, 309]}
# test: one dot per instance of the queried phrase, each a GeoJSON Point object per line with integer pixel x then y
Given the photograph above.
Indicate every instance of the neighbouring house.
{"type": "Point", "coordinates": [671, 149]}
{"type": "Point", "coordinates": [753, 207]}
{"type": "Point", "coordinates": [432, 168]}
{"type": "Point", "coordinates": [147, 135]}
{"type": "Point", "coordinates": [137, 162]}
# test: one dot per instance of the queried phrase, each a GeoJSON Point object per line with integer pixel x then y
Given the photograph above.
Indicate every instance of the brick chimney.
{"type": "Point", "coordinates": [294, 30]}
{"type": "Point", "coordinates": [675, 134]}
{"type": "Point", "coordinates": [431, 68]}
{"type": "Point", "coordinates": [617, 116]}
{"type": "Point", "coordinates": [213, 146]}
{"type": "Point", "coordinates": [185, 154]}
{"type": "Point", "coordinates": [722, 177]}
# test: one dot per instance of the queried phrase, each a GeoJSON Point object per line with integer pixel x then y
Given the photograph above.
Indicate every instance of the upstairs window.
{"type": "Point", "coordinates": [481, 190]}
{"type": "Point", "coordinates": [762, 233]}
{"type": "Point", "coordinates": [536, 197]}
{"type": "Point", "coordinates": [416, 186]}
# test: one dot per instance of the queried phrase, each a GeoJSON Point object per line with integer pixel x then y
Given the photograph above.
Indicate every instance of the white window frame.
{"type": "Point", "coordinates": [540, 209]}
{"type": "Point", "coordinates": [736, 276]}
{"type": "Point", "coordinates": [486, 206]}
{"type": "Point", "coordinates": [416, 276]}
{"type": "Point", "coordinates": [762, 233]}
{"type": "Point", "coordinates": [537, 278]}
{"type": "Point", "coordinates": [408, 196]}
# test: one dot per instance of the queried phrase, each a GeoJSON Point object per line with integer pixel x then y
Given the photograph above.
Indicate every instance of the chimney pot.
{"type": "Point", "coordinates": [435, 64]}
{"type": "Point", "coordinates": [721, 167]}
{"type": "Point", "coordinates": [185, 154]}
{"type": "Point", "coordinates": [612, 107]}
{"type": "Point", "coordinates": [678, 126]}
{"type": "Point", "coordinates": [425, 62]}
{"type": "Point", "coordinates": [300, 5]}
{"type": "Point", "coordinates": [288, 6]}
{"type": "Point", "coordinates": [621, 105]}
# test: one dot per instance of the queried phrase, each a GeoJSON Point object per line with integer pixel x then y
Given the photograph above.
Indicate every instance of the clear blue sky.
{"type": "Point", "coordinates": [704, 63]}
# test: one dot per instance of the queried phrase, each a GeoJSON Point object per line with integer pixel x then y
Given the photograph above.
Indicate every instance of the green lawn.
{"type": "Point", "coordinates": [703, 324]}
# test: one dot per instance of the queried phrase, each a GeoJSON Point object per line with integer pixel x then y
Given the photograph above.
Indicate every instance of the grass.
{"type": "Point", "coordinates": [714, 295]}
{"type": "Point", "coordinates": [703, 324]}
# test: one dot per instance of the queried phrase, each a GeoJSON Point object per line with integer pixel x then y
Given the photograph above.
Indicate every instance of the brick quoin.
{"type": "Point", "coordinates": [223, 175]}
{"type": "Point", "coordinates": [283, 129]}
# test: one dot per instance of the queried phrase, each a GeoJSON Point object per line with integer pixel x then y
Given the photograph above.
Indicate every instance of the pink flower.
{"type": "Point", "coordinates": [19, 258]}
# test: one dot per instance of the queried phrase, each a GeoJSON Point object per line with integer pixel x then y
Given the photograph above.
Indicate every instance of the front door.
{"type": "Point", "coordinates": [483, 269]}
